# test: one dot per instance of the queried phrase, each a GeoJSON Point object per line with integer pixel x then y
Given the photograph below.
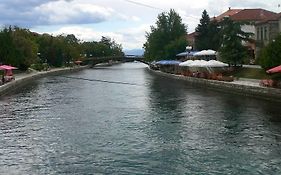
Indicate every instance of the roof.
{"type": "Point", "coordinates": [273, 18]}
{"type": "Point", "coordinates": [252, 15]}
{"type": "Point", "coordinates": [228, 13]}
{"type": "Point", "coordinates": [192, 34]}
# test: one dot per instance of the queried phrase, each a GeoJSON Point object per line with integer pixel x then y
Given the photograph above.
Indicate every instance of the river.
{"type": "Point", "coordinates": [126, 120]}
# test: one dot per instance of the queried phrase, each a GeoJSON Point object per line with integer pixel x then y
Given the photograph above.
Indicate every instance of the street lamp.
{"type": "Point", "coordinates": [188, 49]}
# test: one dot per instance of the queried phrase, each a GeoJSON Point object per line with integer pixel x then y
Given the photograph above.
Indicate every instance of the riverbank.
{"type": "Point", "coordinates": [245, 87]}
{"type": "Point", "coordinates": [25, 78]}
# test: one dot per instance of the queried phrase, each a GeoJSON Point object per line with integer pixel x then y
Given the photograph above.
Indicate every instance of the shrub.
{"type": "Point", "coordinates": [271, 55]}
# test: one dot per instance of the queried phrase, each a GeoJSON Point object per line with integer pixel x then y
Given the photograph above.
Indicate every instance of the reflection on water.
{"type": "Point", "coordinates": [59, 125]}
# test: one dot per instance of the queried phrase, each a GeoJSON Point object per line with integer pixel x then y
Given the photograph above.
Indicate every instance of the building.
{"type": "Point", "coordinates": [191, 39]}
{"type": "Point", "coordinates": [267, 30]}
{"type": "Point", "coordinates": [250, 17]}
{"type": "Point", "coordinates": [228, 13]}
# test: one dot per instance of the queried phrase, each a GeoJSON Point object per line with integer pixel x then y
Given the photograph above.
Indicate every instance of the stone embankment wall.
{"type": "Point", "coordinates": [229, 87]}
{"type": "Point", "coordinates": [26, 79]}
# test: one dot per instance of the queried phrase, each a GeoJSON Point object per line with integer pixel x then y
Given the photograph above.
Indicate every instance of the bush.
{"type": "Point", "coordinates": [271, 55]}
{"type": "Point", "coordinates": [37, 66]}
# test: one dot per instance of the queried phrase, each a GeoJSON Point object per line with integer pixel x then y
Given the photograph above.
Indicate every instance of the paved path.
{"type": "Point", "coordinates": [24, 78]}
{"type": "Point", "coordinates": [247, 82]}
{"type": "Point", "coordinates": [252, 66]}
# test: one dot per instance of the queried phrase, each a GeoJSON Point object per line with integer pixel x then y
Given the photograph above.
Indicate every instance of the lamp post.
{"type": "Point", "coordinates": [188, 49]}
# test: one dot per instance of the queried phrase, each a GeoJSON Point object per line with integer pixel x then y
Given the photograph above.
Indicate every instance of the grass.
{"type": "Point", "coordinates": [253, 73]}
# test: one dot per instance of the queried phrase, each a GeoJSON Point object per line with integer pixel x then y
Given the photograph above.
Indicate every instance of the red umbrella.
{"type": "Point", "coordinates": [6, 67]}
{"type": "Point", "coordinates": [77, 62]}
{"type": "Point", "coordinates": [274, 70]}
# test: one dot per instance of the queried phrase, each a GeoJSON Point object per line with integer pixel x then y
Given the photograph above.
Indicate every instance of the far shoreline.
{"type": "Point", "coordinates": [259, 92]}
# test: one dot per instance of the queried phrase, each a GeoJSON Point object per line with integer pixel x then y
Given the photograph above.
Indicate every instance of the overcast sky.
{"type": "Point", "coordinates": [125, 21]}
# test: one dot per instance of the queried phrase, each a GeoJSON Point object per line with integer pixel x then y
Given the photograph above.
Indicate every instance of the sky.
{"type": "Point", "coordinates": [125, 21]}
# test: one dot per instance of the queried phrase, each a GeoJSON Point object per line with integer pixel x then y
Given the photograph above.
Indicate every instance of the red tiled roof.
{"type": "Point", "coordinates": [273, 18]}
{"type": "Point", "coordinates": [193, 34]}
{"type": "Point", "coordinates": [252, 15]}
{"type": "Point", "coordinates": [228, 13]}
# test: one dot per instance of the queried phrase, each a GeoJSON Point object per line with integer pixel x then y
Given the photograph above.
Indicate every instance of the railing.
{"type": "Point", "coordinates": [96, 60]}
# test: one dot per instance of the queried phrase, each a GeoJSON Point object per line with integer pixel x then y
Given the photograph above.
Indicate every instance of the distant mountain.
{"type": "Point", "coordinates": [134, 52]}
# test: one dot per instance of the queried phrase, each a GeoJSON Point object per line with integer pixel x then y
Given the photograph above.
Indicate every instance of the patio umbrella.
{"type": "Point", "coordinates": [186, 63]}
{"type": "Point", "coordinates": [215, 63]}
{"type": "Point", "coordinates": [77, 62]}
{"type": "Point", "coordinates": [6, 67]}
{"type": "Point", "coordinates": [216, 66]}
{"type": "Point", "coordinates": [205, 53]}
{"type": "Point", "coordinates": [274, 70]}
{"type": "Point", "coordinates": [168, 62]}
{"type": "Point", "coordinates": [197, 65]}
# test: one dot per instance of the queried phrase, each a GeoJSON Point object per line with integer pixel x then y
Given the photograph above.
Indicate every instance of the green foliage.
{"type": "Point", "coordinates": [271, 55]}
{"type": "Point", "coordinates": [23, 48]}
{"type": "Point", "coordinates": [232, 51]}
{"type": "Point", "coordinates": [167, 38]}
{"type": "Point", "coordinates": [105, 47]}
{"type": "Point", "coordinates": [253, 73]}
{"type": "Point", "coordinates": [208, 33]}
{"type": "Point", "coordinates": [37, 66]}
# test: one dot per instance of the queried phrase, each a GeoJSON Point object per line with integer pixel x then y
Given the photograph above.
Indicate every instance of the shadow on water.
{"type": "Point", "coordinates": [214, 131]}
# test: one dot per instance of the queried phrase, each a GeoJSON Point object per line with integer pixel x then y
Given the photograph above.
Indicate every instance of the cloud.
{"type": "Point", "coordinates": [53, 12]}
{"type": "Point", "coordinates": [130, 38]}
{"type": "Point", "coordinates": [122, 20]}
{"type": "Point", "coordinates": [62, 12]}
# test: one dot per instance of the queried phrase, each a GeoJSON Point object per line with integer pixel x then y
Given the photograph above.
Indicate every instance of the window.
{"type": "Point", "coordinates": [261, 33]}
{"type": "Point", "coordinates": [258, 33]}
{"type": "Point", "coordinates": [265, 33]}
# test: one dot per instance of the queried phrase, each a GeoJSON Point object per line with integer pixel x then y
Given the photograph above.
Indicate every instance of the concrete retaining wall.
{"type": "Point", "coordinates": [245, 90]}
{"type": "Point", "coordinates": [19, 82]}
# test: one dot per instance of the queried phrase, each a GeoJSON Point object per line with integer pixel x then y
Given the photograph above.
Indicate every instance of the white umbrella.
{"type": "Point", "coordinates": [205, 53]}
{"type": "Point", "coordinates": [216, 66]}
{"type": "Point", "coordinates": [215, 63]}
{"type": "Point", "coordinates": [198, 63]}
{"type": "Point", "coordinates": [186, 63]}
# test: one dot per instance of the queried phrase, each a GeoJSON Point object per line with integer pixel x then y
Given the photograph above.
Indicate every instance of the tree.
{"type": "Point", "coordinates": [7, 50]}
{"type": "Point", "coordinates": [21, 48]}
{"type": "Point", "coordinates": [207, 33]}
{"type": "Point", "coordinates": [105, 47]}
{"type": "Point", "coordinates": [18, 47]}
{"type": "Point", "coordinates": [166, 38]}
{"type": "Point", "coordinates": [271, 55]}
{"type": "Point", "coordinates": [26, 47]}
{"type": "Point", "coordinates": [214, 31]}
{"type": "Point", "coordinates": [202, 39]}
{"type": "Point", "coordinates": [232, 51]}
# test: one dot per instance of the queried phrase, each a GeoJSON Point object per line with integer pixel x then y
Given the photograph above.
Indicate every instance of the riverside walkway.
{"type": "Point", "coordinates": [24, 78]}
{"type": "Point", "coordinates": [247, 82]}
{"type": "Point", "coordinates": [242, 86]}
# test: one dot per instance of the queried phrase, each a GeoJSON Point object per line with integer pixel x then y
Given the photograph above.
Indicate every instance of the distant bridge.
{"type": "Point", "coordinates": [127, 58]}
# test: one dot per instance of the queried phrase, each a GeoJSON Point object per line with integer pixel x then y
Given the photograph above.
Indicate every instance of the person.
{"type": "Point", "coordinates": [3, 79]}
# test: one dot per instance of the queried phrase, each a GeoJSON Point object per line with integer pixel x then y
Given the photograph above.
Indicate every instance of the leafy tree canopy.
{"type": "Point", "coordinates": [21, 48]}
{"type": "Point", "coordinates": [232, 51]}
{"type": "Point", "coordinates": [207, 33]}
{"type": "Point", "coordinates": [271, 55]}
{"type": "Point", "coordinates": [167, 38]}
